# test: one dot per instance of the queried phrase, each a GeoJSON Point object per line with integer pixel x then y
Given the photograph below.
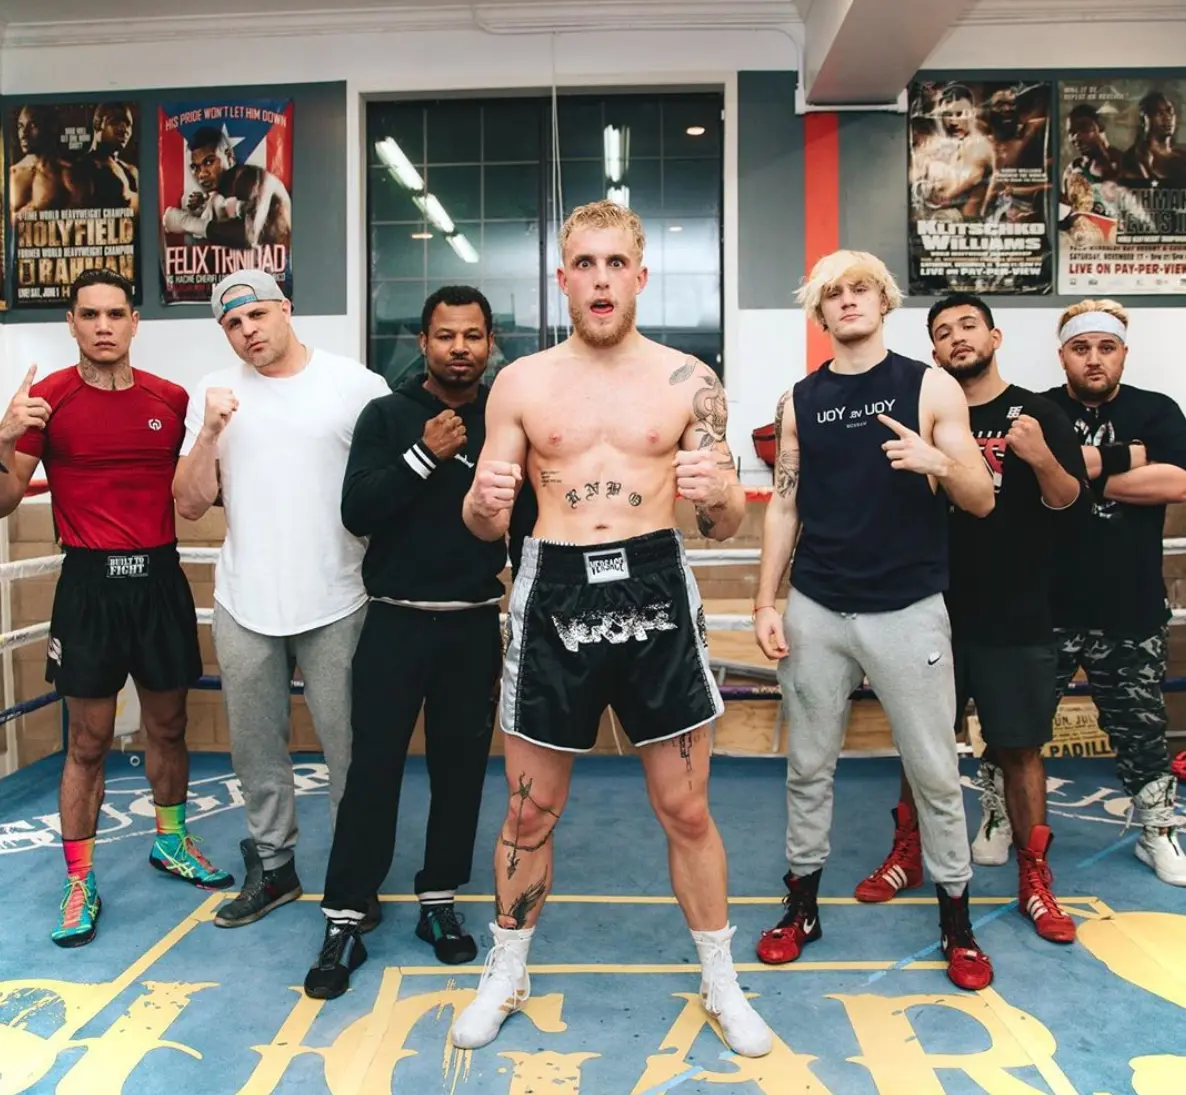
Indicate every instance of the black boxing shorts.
{"type": "Point", "coordinates": [1014, 688]}
{"type": "Point", "coordinates": [118, 614]}
{"type": "Point", "coordinates": [618, 625]}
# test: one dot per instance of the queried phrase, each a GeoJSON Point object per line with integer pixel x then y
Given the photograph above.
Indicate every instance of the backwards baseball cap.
{"type": "Point", "coordinates": [243, 287]}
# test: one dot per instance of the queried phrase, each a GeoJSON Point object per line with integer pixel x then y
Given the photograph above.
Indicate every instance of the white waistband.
{"type": "Point", "coordinates": [438, 606]}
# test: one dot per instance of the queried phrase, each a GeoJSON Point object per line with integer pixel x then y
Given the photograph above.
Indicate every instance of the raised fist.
{"type": "Point", "coordinates": [24, 411]}
{"type": "Point", "coordinates": [221, 403]}
{"type": "Point", "coordinates": [444, 436]}
{"type": "Point", "coordinates": [494, 487]}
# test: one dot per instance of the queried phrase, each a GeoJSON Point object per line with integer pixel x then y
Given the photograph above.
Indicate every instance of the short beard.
{"type": "Point", "coordinates": [1093, 395]}
{"type": "Point", "coordinates": [978, 367]}
{"type": "Point", "coordinates": [604, 337]}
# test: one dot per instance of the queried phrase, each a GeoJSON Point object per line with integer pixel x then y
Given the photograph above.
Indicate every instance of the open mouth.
{"type": "Point", "coordinates": [602, 307]}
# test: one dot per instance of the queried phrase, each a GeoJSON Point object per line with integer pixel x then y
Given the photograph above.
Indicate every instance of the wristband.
{"type": "Point", "coordinates": [1115, 459]}
{"type": "Point", "coordinates": [758, 608]}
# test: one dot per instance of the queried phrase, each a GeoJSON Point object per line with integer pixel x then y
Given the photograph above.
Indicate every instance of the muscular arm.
{"type": "Point", "coordinates": [506, 442]}
{"type": "Point", "coordinates": [706, 433]}
{"type": "Point", "coordinates": [21, 467]}
{"type": "Point", "coordinates": [246, 230]}
{"type": "Point", "coordinates": [195, 483]}
{"type": "Point", "coordinates": [1152, 485]}
{"type": "Point", "coordinates": [780, 529]}
{"type": "Point", "coordinates": [965, 477]}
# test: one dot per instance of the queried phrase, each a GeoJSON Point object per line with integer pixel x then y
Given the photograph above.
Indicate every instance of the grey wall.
{"type": "Point", "coordinates": [320, 151]}
{"type": "Point", "coordinates": [769, 189]}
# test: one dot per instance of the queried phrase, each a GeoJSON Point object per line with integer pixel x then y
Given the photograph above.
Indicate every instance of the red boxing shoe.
{"type": "Point", "coordinates": [968, 966]}
{"type": "Point", "coordinates": [902, 869]}
{"type": "Point", "coordinates": [799, 925]}
{"type": "Point", "coordinates": [1033, 890]}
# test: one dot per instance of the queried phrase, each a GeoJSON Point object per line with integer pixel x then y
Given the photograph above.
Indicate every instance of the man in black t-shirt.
{"type": "Point", "coordinates": [1110, 607]}
{"type": "Point", "coordinates": [998, 601]}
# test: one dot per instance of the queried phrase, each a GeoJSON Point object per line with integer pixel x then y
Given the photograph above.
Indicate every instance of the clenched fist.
{"type": "Point", "coordinates": [494, 487]}
{"type": "Point", "coordinates": [221, 404]}
{"type": "Point", "coordinates": [444, 436]}
{"type": "Point", "coordinates": [25, 412]}
{"type": "Point", "coordinates": [700, 477]}
{"type": "Point", "coordinates": [1025, 438]}
{"type": "Point", "coordinates": [769, 632]}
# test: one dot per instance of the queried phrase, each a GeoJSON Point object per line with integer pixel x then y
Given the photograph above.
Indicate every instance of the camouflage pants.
{"type": "Point", "coordinates": [1124, 676]}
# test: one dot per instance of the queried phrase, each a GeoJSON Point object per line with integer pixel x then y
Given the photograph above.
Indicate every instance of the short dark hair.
{"type": "Point", "coordinates": [455, 296]}
{"type": "Point", "coordinates": [208, 136]}
{"type": "Point", "coordinates": [100, 275]}
{"type": "Point", "coordinates": [958, 300]}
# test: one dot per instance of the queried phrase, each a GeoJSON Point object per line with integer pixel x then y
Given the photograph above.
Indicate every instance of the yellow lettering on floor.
{"type": "Point", "coordinates": [779, 1072]}
{"type": "Point", "coordinates": [555, 1073]}
{"type": "Point", "coordinates": [894, 1056]}
{"type": "Point", "coordinates": [1160, 1075]}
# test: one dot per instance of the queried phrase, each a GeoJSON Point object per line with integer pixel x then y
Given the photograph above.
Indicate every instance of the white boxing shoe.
{"type": "Point", "coordinates": [744, 1030]}
{"type": "Point", "coordinates": [1158, 846]}
{"type": "Point", "coordinates": [994, 837]}
{"type": "Point", "coordinates": [503, 990]}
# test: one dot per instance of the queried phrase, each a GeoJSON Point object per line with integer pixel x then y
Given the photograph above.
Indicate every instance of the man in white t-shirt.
{"type": "Point", "coordinates": [269, 439]}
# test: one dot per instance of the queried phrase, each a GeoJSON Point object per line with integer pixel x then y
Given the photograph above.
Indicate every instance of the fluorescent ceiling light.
{"type": "Point", "coordinates": [675, 228]}
{"type": "Point", "coordinates": [398, 164]}
{"type": "Point", "coordinates": [465, 249]}
{"type": "Point", "coordinates": [695, 131]}
{"type": "Point", "coordinates": [617, 152]}
{"type": "Point", "coordinates": [434, 211]}
{"type": "Point", "coordinates": [619, 195]}
{"type": "Point", "coordinates": [421, 235]}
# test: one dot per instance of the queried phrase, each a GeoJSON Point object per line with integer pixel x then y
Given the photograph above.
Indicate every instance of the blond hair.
{"type": "Point", "coordinates": [1112, 307]}
{"type": "Point", "coordinates": [833, 268]}
{"type": "Point", "coordinates": [604, 214]}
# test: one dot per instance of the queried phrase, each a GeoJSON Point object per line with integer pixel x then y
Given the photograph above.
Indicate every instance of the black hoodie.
{"type": "Point", "coordinates": [409, 503]}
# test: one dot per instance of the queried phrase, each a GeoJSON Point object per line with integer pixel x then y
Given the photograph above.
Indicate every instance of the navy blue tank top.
{"type": "Point", "coordinates": [872, 539]}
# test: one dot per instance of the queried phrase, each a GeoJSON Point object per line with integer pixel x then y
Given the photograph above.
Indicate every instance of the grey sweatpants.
{"type": "Point", "coordinates": [907, 657]}
{"type": "Point", "coordinates": [256, 670]}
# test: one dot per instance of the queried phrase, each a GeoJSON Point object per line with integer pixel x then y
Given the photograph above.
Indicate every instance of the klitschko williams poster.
{"type": "Point", "coordinates": [226, 193]}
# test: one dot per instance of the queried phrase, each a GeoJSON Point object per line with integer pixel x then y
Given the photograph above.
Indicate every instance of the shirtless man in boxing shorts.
{"type": "Point", "coordinates": [604, 609]}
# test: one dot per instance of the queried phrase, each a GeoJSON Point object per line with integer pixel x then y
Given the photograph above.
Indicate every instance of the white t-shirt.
{"type": "Point", "coordinates": [287, 564]}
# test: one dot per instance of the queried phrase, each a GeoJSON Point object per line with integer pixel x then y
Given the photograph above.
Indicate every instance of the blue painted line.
{"type": "Point", "coordinates": [1093, 859]}
{"type": "Point", "coordinates": [675, 1081]}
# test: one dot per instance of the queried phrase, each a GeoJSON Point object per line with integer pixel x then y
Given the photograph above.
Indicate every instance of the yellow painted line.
{"type": "Point", "coordinates": [628, 899]}
{"type": "Point", "coordinates": [676, 968]}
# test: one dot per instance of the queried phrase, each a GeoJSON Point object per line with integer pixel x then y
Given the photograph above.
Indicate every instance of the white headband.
{"type": "Point", "coordinates": [1093, 322]}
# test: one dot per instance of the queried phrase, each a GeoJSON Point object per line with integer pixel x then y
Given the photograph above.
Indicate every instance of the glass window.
{"type": "Point", "coordinates": [462, 191]}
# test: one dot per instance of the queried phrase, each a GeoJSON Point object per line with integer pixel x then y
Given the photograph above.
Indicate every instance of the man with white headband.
{"type": "Point", "coordinates": [268, 438]}
{"type": "Point", "coordinates": [1110, 608]}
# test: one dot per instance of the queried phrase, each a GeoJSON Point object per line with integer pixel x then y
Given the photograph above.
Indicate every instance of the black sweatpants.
{"type": "Point", "coordinates": [450, 662]}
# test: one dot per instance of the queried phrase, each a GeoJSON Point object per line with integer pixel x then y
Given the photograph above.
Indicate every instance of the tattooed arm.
{"type": "Point", "coordinates": [780, 530]}
{"type": "Point", "coordinates": [705, 472]}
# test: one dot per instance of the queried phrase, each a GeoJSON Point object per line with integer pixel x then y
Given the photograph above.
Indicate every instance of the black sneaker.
{"type": "Point", "coordinates": [341, 954]}
{"type": "Point", "coordinates": [440, 926]}
{"type": "Point", "coordinates": [373, 916]}
{"type": "Point", "coordinates": [262, 890]}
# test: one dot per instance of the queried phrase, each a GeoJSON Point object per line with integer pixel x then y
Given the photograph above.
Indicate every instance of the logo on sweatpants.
{"type": "Point", "coordinates": [606, 566]}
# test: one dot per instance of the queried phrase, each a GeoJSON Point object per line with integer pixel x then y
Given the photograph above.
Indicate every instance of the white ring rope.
{"type": "Point", "coordinates": [50, 564]}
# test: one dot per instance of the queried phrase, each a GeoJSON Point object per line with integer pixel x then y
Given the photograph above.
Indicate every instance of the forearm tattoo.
{"type": "Point", "coordinates": [786, 464]}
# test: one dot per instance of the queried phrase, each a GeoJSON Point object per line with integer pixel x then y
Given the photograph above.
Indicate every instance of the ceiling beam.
{"type": "Point", "coordinates": [866, 51]}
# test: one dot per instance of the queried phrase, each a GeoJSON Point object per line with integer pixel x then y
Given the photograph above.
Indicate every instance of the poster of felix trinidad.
{"type": "Point", "coordinates": [225, 169]}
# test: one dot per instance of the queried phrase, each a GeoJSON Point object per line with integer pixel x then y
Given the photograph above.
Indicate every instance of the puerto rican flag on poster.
{"type": "Point", "coordinates": [225, 168]}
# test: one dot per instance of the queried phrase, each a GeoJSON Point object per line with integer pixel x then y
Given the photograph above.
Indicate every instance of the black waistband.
{"type": "Point", "coordinates": [591, 564]}
{"type": "Point", "coordinates": [121, 563]}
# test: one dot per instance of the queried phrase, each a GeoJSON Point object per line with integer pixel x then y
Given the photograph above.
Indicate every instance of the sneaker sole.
{"type": "Point", "coordinates": [81, 939]}
{"type": "Point", "coordinates": [259, 914]}
{"type": "Point", "coordinates": [197, 883]}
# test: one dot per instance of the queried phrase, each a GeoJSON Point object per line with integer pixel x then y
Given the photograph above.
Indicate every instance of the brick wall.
{"type": "Point", "coordinates": [746, 727]}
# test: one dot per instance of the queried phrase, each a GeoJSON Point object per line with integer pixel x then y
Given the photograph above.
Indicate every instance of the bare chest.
{"type": "Point", "coordinates": [567, 420]}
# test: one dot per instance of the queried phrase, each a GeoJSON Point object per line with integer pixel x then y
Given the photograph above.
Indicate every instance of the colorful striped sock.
{"type": "Point", "coordinates": [170, 819]}
{"type": "Point", "coordinates": [80, 856]}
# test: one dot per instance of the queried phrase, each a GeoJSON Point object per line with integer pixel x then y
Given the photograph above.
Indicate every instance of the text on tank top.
{"type": "Point", "coordinates": [873, 539]}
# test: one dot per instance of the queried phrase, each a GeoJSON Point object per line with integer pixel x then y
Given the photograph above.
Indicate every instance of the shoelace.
{"type": "Point", "coordinates": [190, 846]}
{"type": "Point", "coordinates": [992, 802]}
{"type": "Point", "coordinates": [335, 942]}
{"type": "Point", "coordinates": [1038, 878]}
{"type": "Point", "coordinates": [902, 850]}
{"type": "Point", "coordinates": [502, 963]}
{"type": "Point", "coordinates": [74, 901]}
{"type": "Point", "coordinates": [719, 976]}
{"type": "Point", "coordinates": [446, 917]}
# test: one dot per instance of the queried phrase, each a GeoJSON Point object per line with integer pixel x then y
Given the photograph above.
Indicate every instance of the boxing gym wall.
{"type": "Point", "coordinates": [794, 186]}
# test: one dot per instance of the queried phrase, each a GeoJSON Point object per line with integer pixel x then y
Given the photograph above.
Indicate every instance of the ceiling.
{"type": "Point", "coordinates": [854, 52]}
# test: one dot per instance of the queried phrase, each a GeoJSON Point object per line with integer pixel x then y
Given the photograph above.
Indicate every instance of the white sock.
{"type": "Point", "coordinates": [343, 914]}
{"type": "Point", "coordinates": [437, 897]}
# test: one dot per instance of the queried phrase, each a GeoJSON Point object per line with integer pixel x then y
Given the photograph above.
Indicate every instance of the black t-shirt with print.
{"type": "Point", "coordinates": [1001, 564]}
{"type": "Point", "coordinates": [1109, 575]}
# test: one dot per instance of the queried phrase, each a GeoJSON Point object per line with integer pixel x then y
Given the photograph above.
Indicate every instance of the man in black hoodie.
{"type": "Point", "coordinates": [431, 637]}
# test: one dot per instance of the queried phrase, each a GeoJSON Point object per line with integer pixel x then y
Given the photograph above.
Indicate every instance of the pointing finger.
{"type": "Point", "coordinates": [27, 383]}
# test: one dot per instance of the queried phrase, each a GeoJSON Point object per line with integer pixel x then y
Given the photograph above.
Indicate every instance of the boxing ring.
{"type": "Point", "coordinates": [159, 1001]}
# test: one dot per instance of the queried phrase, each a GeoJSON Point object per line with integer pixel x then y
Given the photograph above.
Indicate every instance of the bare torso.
{"type": "Point", "coordinates": [602, 437]}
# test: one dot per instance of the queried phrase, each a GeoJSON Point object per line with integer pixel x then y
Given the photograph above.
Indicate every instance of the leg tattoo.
{"type": "Point", "coordinates": [523, 795]}
{"type": "Point", "coordinates": [523, 904]}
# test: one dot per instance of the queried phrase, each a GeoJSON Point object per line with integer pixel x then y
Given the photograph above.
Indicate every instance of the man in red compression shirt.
{"type": "Point", "coordinates": [108, 436]}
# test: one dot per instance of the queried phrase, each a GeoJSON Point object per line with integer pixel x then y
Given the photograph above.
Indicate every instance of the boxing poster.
{"type": "Point", "coordinates": [73, 196]}
{"type": "Point", "coordinates": [1122, 192]}
{"type": "Point", "coordinates": [226, 193]}
{"type": "Point", "coordinates": [980, 166]}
